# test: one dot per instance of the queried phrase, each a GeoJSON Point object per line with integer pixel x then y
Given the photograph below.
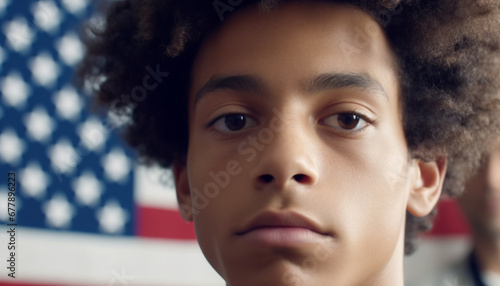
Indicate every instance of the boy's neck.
{"type": "Point", "coordinates": [393, 273]}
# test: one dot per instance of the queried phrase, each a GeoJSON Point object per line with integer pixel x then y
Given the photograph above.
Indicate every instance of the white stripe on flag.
{"type": "Point", "coordinates": [433, 256]}
{"type": "Point", "coordinates": [84, 259]}
{"type": "Point", "coordinates": [154, 187]}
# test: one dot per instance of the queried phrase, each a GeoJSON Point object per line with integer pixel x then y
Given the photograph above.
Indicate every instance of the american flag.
{"type": "Point", "coordinates": [86, 214]}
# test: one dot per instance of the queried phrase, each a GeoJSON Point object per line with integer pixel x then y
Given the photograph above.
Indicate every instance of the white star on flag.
{"type": "Point", "coordinates": [75, 6]}
{"type": "Point", "coordinates": [47, 15]}
{"type": "Point", "coordinates": [44, 70]}
{"type": "Point", "coordinates": [70, 49]}
{"type": "Point", "coordinates": [19, 35]}
{"type": "Point", "coordinates": [87, 189]}
{"type": "Point", "coordinates": [39, 124]}
{"type": "Point", "coordinates": [14, 90]}
{"type": "Point", "coordinates": [68, 103]}
{"type": "Point", "coordinates": [116, 165]}
{"type": "Point", "coordinates": [11, 147]}
{"type": "Point", "coordinates": [112, 217]}
{"type": "Point", "coordinates": [33, 181]}
{"type": "Point", "coordinates": [93, 134]}
{"type": "Point", "coordinates": [58, 212]}
{"type": "Point", "coordinates": [63, 157]}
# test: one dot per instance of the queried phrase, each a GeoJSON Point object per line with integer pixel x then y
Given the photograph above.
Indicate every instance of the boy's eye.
{"type": "Point", "coordinates": [233, 122]}
{"type": "Point", "coordinates": [346, 121]}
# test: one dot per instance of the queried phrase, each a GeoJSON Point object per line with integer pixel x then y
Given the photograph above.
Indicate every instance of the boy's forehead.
{"type": "Point", "coordinates": [297, 33]}
{"type": "Point", "coordinates": [295, 20]}
{"type": "Point", "coordinates": [296, 14]}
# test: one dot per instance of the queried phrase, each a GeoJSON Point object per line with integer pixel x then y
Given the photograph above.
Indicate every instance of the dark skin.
{"type": "Point", "coordinates": [355, 204]}
{"type": "Point", "coordinates": [481, 204]}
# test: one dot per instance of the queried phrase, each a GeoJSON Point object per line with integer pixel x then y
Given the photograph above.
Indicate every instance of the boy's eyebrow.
{"type": "Point", "coordinates": [339, 80]}
{"type": "Point", "coordinates": [248, 83]}
{"type": "Point", "coordinates": [325, 81]}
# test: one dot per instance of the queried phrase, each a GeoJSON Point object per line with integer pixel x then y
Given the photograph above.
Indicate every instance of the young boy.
{"type": "Point", "coordinates": [309, 140]}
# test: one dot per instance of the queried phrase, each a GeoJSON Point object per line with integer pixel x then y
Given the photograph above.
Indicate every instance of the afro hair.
{"type": "Point", "coordinates": [448, 53]}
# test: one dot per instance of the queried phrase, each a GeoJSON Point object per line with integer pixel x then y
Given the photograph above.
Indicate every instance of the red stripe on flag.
{"type": "Point", "coordinates": [450, 220]}
{"type": "Point", "coordinates": [163, 223]}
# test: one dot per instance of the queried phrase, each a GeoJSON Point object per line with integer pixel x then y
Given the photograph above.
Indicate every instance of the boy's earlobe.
{"type": "Point", "coordinates": [183, 192]}
{"type": "Point", "coordinates": [427, 186]}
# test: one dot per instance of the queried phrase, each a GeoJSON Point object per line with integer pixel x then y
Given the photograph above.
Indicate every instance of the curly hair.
{"type": "Point", "coordinates": [449, 62]}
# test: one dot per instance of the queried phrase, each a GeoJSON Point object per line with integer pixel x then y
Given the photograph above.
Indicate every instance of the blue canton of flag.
{"type": "Point", "coordinates": [72, 172]}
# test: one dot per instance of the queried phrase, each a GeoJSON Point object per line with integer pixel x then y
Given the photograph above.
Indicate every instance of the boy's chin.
{"type": "Point", "coordinates": [279, 273]}
{"type": "Point", "coordinates": [276, 266]}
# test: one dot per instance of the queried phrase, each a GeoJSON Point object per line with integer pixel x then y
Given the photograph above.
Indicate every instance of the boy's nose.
{"type": "Point", "coordinates": [289, 159]}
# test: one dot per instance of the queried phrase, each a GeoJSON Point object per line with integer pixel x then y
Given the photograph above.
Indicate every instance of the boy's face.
{"type": "Point", "coordinates": [481, 200]}
{"type": "Point", "coordinates": [296, 113]}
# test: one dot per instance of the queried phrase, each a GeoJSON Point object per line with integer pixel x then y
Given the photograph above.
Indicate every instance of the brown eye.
{"type": "Point", "coordinates": [345, 121]}
{"type": "Point", "coordinates": [348, 121]}
{"type": "Point", "coordinates": [233, 122]}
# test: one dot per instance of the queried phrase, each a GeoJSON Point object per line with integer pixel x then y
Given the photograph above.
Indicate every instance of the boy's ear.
{"type": "Point", "coordinates": [427, 186]}
{"type": "Point", "coordinates": [183, 192]}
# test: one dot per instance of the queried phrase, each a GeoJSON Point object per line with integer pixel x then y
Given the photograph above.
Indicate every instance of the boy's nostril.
{"type": "Point", "coordinates": [300, 178]}
{"type": "Point", "coordinates": [266, 178]}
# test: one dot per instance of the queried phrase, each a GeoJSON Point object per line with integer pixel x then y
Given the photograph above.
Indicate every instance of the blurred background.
{"type": "Point", "coordinates": [86, 214]}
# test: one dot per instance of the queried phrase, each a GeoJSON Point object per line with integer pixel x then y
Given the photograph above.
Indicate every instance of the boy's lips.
{"type": "Point", "coordinates": [283, 229]}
